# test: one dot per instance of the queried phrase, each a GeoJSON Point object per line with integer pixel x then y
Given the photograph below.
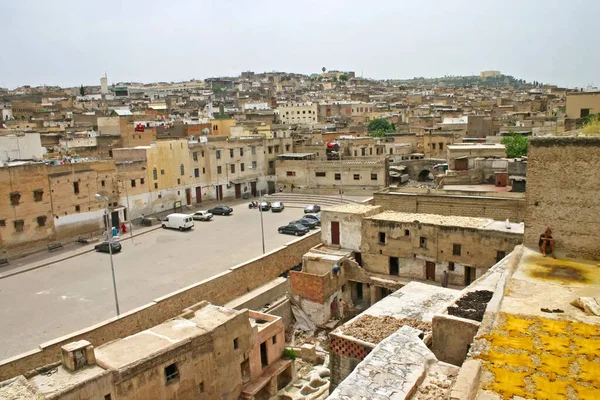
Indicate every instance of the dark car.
{"type": "Point", "coordinates": [309, 223]}
{"type": "Point", "coordinates": [312, 209]}
{"type": "Point", "coordinates": [293, 229]}
{"type": "Point", "coordinates": [103, 247]}
{"type": "Point", "coordinates": [277, 206]}
{"type": "Point", "coordinates": [221, 210]}
{"type": "Point", "coordinates": [264, 206]}
{"type": "Point", "coordinates": [314, 217]}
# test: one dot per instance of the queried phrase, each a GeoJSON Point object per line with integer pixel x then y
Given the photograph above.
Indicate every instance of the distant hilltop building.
{"type": "Point", "coordinates": [490, 74]}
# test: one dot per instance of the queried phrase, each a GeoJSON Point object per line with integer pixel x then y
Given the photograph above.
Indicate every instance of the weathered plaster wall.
{"type": "Point", "coordinates": [563, 193]}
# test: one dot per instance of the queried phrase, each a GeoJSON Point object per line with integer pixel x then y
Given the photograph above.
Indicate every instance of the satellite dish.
{"type": "Point", "coordinates": [205, 131]}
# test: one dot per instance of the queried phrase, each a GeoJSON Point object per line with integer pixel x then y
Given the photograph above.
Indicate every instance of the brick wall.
{"type": "Point", "coordinates": [563, 193]}
{"type": "Point", "coordinates": [466, 204]}
{"type": "Point", "coordinates": [317, 288]}
{"type": "Point", "coordinates": [218, 290]}
{"type": "Point", "coordinates": [345, 356]}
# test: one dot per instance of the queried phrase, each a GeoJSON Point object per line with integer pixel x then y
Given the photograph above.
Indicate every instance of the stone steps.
{"type": "Point", "coordinates": [306, 199]}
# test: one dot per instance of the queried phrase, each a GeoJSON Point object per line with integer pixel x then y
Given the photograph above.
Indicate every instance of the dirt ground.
{"type": "Point", "coordinates": [472, 305]}
{"type": "Point", "coordinates": [374, 329]}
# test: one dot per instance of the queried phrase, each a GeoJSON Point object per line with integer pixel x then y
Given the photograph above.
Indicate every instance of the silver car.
{"type": "Point", "coordinates": [202, 216]}
{"type": "Point", "coordinates": [277, 206]}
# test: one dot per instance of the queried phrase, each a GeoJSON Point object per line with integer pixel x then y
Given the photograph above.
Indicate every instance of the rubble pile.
{"type": "Point", "coordinates": [374, 329]}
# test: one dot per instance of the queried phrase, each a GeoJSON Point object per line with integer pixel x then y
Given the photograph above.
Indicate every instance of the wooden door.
{"type": "Point", "coordinates": [198, 194]}
{"type": "Point", "coordinates": [238, 190]}
{"type": "Point", "coordinates": [188, 196]}
{"type": "Point", "coordinates": [335, 232]}
{"type": "Point", "coordinates": [469, 275]}
{"type": "Point", "coordinates": [253, 189]}
{"type": "Point", "coordinates": [430, 270]}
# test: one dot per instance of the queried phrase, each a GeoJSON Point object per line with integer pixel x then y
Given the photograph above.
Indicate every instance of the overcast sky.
{"type": "Point", "coordinates": [73, 42]}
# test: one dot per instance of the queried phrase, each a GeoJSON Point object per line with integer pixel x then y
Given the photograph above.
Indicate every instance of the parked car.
{"type": "Point", "coordinates": [315, 217]}
{"type": "Point", "coordinates": [312, 209]}
{"type": "Point", "coordinates": [293, 229]}
{"type": "Point", "coordinates": [309, 223]}
{"type": "Point", "coordinates": [104, 247]}
{"type": "Point", "coordinates": [221, 210]}
{"type": "Point", "coordinates": [202, 216]}
{"type": "Point", "coordinates": [265, 206]}
{"type": "Point", "coordinates": [178, 221]}
{"type": "Point", "coordinates": [277, 206]}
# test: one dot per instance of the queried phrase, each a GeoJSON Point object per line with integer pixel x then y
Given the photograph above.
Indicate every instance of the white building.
{"type": "Point", "coordinates": [298, 113]}
{"type": "Point", "coordinates": [22, 146]}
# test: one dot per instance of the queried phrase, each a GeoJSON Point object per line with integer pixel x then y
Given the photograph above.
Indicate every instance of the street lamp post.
{"type": "Point", "coordinates": [110, 242]}
{"type": "Point", "coordinates": [262, 228]}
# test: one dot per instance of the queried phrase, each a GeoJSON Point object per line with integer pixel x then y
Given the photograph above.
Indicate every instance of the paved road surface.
{"type": "Point", "coordinates": [52, 301]}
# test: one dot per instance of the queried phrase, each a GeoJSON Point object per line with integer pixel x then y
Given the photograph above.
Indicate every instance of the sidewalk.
{"type": "Point", "coordinates": [39, 260]}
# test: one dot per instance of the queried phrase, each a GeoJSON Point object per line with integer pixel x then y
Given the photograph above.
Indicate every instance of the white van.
{"type": "Point", "coordinates": [178, 221]}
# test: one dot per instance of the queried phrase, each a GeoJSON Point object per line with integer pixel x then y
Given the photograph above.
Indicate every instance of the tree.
{"type": "Point", "coordinates": [82, 90]}
{"type": "Point", "coordinates": [380, 124]}
{"type": "Point", "coordinates": [323, 69]}
{"type": "Point", "coordinates": [343, 77]}
{"type": "Point", "coordinates": [516, 144]}
{"type": "Point", "coordinates": [379, 133]}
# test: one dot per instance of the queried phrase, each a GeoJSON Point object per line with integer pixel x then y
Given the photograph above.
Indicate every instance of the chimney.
{"type": "Point", "coordinates": [77, 355]}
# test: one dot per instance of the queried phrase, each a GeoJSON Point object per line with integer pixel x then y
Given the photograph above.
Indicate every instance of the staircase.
{"type": "Point", "coordinates": [303, 200]}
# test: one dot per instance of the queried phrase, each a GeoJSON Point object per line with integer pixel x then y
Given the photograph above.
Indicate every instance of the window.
{"type": "Point", "coordinates": [356, 177]}
{"type": "Point", "coordinates": [242, 167]}
{"type": "Point", "coordinates": [218, 154]}
{"type": "Point", "coordinates": [196, 172]}
{"type": "Point", "coordinates": [38, 194]}
{"type": "Point", "coordinates": [320, 174]}
{"type": "Point", "coordinates": [203, 170]}
{"type": "Point", "coordinates": [141, 181]}
{"type": "Point", "coordinates": [155, 185]}
{"type": "Point", "coordinates": [500, 254]}
{"type": "Point", "coordinates": [271, 164]}
{"type": "Point", "coordinates": [201, 387]}
{"type": "Point", "coordinates": [373, 177]}
{"type": "Point", "coordinates": [202, 153]}
{"type": "Point", "coordinates": [584, 112]}
{"type": "Point", "coordinates": [290, 173]}
{"type": "Point", "coordinates": [253, 164]}
{"type": "Point", "coordinates": [382, 237]}
{"type": "Point", "coordinates": [450, 266]}
{"type": "Point", "coordinates": [160, 195]}
{"type": "Point", "coordinates": [274, 339]}
{"type": "Point", "coordinates": [338, 177]}
{"type": "Point", "coordinates": [363, 151]}
{"type": "Point", "coordinates": [287, 147]}
{"type": "Point", "coordinates": [107, 397]}
{"type": "Point", "coordinates": [102, 183]}
{"type": "Point", "coordinates": [76, 187]}
{"type": "Point", "coordinates": [231, 153]}
{"type": "Point", "coordinates": [241, 151]}
{"type": "Point", "coordinates": [181, 169]}
{"type": "Point", "coordinates": [232, 168]}
{"type": "Point", "coordinates": [133, 183]}
{"type": "Point", "coordinates": [77, 208]}
{"type": "Point", "coordinates": [219, 170]}
{"type": "Point", "coordinates": [370, 151]}
{"type": "Point", "coordinates": [433, 146]}
{"type": "Point", "coordinates": [270, 149]}
{"type": "Point", "coordinates": [2, 222]}
{"type": "Point", "coordinates": [276, 149]}
{"type": "Point", "coordinates": [441, 146]}
{"type": "Point", "coordinates": [41, 221]}
{"type": "Point", "coordinates": [406, 232]}
{"type": "Point", "coordinates": [195, 156]}
{"type": "Point", "coordinates": [423, 242]}
{"type": "Point", "coordinates": [19, 225]}
{"type": "Point", "coordinates": [162, 171]}
{"type": "Point", "coordinates": [355, 154]}
{"type": "Point", "coordinates": [171, 373]}
{"type": "Point", "coordinates": [253, 150]}
{"type": "Point", "coordinates": [154, 174]}
{"type": "Point", "coordinates": [178, 181]}
{"type": "Point", "coordinates": [236, 344]}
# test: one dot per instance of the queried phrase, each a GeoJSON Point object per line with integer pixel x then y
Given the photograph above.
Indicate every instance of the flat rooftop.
{"type": "Point", "coordinates": [449, 220]}
{"type": "Point", "coordinates": [123, 352]}
{"type": "Point", "coordinates": [351, 208]}
{"type": "Point", "coordinates": [61, 379]}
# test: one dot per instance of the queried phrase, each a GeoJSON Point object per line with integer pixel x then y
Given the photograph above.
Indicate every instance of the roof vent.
{"type": "Point", "coordinates": [77, 355]}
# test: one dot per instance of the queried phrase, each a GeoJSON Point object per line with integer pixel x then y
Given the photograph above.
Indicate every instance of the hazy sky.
{"type": "Point", "coordinates": [73, 42]}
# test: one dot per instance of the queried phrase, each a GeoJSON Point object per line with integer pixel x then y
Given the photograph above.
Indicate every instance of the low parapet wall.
{"type": "Point", "coordinates": [218, 290]}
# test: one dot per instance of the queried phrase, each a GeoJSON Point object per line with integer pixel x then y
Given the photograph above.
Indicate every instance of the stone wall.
{"type": "Point", "coordinates": [218, 290]}
{"type": "Point", "coordinates": [498, 206]}
{"type": "Point", "coordinates": [563, 193]}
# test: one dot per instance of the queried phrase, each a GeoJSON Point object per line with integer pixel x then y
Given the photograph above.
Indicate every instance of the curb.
{"type": "Point", "coordinates": [9, 274]}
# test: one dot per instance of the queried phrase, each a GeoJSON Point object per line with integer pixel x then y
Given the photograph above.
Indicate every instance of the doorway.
{"type": "Point", "coordinates": [115, 219]}
{"type": "Point", "coordinates": [430, 271]}
{"type": "Point", "coordinates": [245, 367]}
{"type": "Point", "coordinates": [253, 189]}
{"type": "Point", "coordinates": [394, 266]}
{"type": "Point", "coordinates": [469, 275]}
{"type": "Point", "coordinates": [219, 192]}
{"type": "Point", "coordinates": [198, 194]}
{"type": "Point", "coordinates": [263, 354]}
{"type": "Point", "coordinates": [188, 196]}
{"type": "Point", "coordinates": [238, 190]}
{"type": "Point", "coordinates": [335, 232]}
{"type": "Point", "coordinates": [270, 187]}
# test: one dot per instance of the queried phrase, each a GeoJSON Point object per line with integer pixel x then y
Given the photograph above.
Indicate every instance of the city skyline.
{"type": "Point", "coordinates": [71, 43]}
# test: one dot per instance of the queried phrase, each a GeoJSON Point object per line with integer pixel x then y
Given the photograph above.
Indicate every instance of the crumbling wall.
{"type": "Point", "coordinates": [563, 193]}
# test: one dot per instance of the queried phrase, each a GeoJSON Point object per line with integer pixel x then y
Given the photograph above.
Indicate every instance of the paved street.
{"type": "Point", "coordinates": [46, 303]}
